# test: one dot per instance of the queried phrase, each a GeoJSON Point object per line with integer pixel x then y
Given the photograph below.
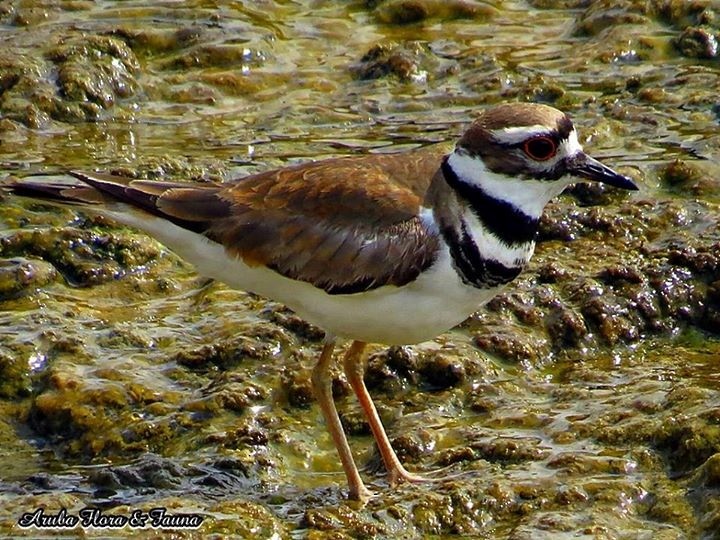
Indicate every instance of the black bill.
{"type": "Point", "coordinates": [589, 168]}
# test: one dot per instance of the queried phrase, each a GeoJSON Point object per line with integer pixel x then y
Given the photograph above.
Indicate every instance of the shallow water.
{"type": "Point", "coordinates": [582, 403]}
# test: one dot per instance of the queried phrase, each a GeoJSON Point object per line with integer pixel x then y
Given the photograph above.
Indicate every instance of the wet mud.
{"type": "Point", "coordinates": [584, 401]}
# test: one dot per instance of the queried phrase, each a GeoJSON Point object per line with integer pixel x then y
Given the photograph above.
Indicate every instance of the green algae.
{"type": "Point", "coordinates": [582, 401]}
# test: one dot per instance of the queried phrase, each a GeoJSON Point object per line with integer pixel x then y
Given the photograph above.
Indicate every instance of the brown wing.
{"type": "Point", "coordinates": [344, 225]}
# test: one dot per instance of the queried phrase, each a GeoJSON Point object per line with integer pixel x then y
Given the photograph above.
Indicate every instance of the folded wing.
{"type": "Point", "coordinates": [343, 225]}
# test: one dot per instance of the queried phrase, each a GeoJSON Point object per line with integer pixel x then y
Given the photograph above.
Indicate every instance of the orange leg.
{"type": "Point", "coordinates": [322, 385]}
{"type": "Point", "coordinates": [354, 365]}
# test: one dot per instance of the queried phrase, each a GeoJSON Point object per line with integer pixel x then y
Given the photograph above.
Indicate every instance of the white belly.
{"type": "Point", "coordinates": [435, 302]}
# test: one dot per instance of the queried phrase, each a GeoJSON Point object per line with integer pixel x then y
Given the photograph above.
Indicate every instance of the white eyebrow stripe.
{"type": "Point", "coordinates": [572, 145]}
{"type": "Point", "coordinates": [517, 134]}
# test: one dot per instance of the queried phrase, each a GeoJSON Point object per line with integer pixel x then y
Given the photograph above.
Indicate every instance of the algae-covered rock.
{"type": "Point", "coordinates": [84, 257]}
{"type": "Point", "coordinates": [19, 276]}
{"type": "Point", "coordinates": [512, 346]}
{"type": "Point", "coordinates": [603, 14]}
{"type": "Point", "coordinates": [692, 178]}
{"type": "Point", "coordinates": [14, 375]}
{"type": "Point", "coordinates": [221, 55]}
{"type": "Point", "coordinates": [148, 41]}
{"type": "Point", "coordinates": [699, 43]}
{"type": "Point", "coordinates": [412, 11]}
{"type": "Point", "coordinates": [580, 402]}
{"type": "Point", "coordinates": [27, 95]}
{"type": "Point", "coordinates": [408, 62]}
{"type": "Point", "coordinates": [95, 69]}
{"type": "Point", "coordinates": [78, 79]}
{"type": "Point", "coordinates": [611, 300]}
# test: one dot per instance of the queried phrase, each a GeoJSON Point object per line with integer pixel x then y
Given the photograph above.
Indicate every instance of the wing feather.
{"type": "Point", "coordinates": [345, 225]}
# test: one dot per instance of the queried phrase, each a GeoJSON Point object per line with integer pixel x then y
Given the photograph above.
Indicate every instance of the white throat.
{"type": "Point", "coordinates": [529, 196]}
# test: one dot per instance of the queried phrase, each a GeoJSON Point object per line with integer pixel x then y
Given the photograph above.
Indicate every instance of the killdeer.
{"type": "Point", "coordinates": [392, 249]}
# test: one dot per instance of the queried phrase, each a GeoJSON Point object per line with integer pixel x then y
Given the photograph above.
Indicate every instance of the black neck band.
{"type": "Point", "coordinates": [507, 222]}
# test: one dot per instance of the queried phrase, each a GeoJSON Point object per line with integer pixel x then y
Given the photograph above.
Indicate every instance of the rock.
{"type": "Point", "coordinates": [20, 276]}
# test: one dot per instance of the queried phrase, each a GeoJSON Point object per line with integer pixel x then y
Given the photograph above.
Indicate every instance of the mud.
{"type": "Point", "coordinates": [583, 401]}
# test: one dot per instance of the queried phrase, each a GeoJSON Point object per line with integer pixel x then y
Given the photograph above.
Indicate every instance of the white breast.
{"type": "Point", "coordinates": [435, 302]}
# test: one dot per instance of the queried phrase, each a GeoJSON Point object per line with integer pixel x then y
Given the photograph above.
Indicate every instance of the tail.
{"type": "Point", "coordinates": [190, 206]}
{"type": "Point", "coordinates": [69, 193]}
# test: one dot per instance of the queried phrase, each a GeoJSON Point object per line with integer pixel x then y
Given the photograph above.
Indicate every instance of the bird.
{"type": "Point", "coordinates": [392, 249]}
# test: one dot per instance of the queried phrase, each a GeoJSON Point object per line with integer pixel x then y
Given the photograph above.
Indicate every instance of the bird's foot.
{"type": "Point", "coordinates": [360, 494]}
{"type": "Point", "coordinates": [400, 474]}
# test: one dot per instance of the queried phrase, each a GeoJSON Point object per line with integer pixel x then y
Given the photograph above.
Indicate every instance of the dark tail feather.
{"type": "Point", "coordinates": [191, 206]}
{"type": "Point", "coordinates": [60, 192]}
{"type": "Point", "coordinates": [120, 189]}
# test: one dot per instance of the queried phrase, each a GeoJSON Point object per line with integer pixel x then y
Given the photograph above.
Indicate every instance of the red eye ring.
{"type": "Point", "coordinates": [540, 148]}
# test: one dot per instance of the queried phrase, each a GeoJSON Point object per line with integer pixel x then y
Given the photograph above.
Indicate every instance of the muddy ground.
{"type": "Point", "coordinates": [584, 402]}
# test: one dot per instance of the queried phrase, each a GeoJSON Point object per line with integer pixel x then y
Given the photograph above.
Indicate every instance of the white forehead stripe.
{"type": "Point", "coordinates": [572, 145]}
{"type": "Point", "coordinates": [517, 134]}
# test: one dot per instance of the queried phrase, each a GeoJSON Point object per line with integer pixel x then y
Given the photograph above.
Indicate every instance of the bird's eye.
{"type": "Point", "coordinates": [540, 148]}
